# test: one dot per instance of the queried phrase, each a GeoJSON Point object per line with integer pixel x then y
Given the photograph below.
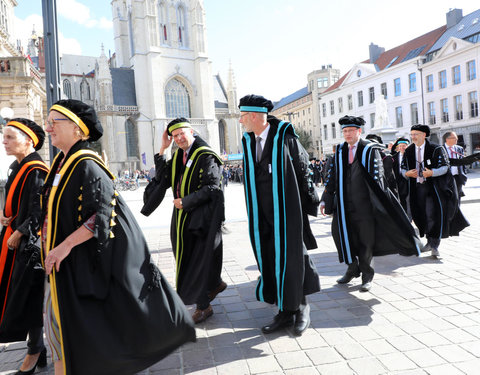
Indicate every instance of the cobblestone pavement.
{"type": "Point", "coordinates": [420, 317]}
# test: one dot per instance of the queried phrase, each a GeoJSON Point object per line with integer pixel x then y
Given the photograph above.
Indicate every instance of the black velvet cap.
{"type": "Point", "coordinates": [81, 114]}
{"type": "Point", "coordinates": [351, 121]}
{"type": "Point", "coordinates": [398, 141]}
{"type": "Point", "coordinates": [255, 103]}
{"type": "Point", "coordinates": [422, 128]}
{"type": "Point", "coordinates": [180, 122]}
{"type": "Point", "coordinates": [31, 129]}
{"type": "Point", "coordinates": [374, 138]}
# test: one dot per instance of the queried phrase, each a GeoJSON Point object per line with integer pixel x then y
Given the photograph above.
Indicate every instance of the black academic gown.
{"type": "Point", "coordinates": [279, 195]}
{"type": "Point", "coordinates": [117, 313]}
{"type": "Point", "coordinates": [195, 230]}
{"type": "Point", "coordinates": [393, 232]}
{"type": "Point", "coordinates": [448, 219]}
{"type": "Point", "coordinates": [22, 276]}
{"type": "Point", "coordinates": [402, 184]}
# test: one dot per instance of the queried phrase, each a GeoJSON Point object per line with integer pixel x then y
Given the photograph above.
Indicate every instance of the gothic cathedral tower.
{"type": "Point", "coordinates": [164, 42]}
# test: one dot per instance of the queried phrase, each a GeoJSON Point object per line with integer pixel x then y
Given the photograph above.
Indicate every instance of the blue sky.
{"type": "Point", "coordinates": [272, 44]}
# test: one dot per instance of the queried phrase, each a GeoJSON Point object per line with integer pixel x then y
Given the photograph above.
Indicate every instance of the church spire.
{"type": "Point", "coordinates": [231, 90]}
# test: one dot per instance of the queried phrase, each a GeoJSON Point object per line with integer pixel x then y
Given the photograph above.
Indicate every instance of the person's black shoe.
{"type": "Point", "coordinates": [279, 321]}
{"type": "Point", "coordinates": [41, 362]}
{"type": "Point", "coordinates": [366, 286]}
{"type": "Point", "coordinates": [302, 321]}
{"type": "Point", "coordinates": [345, 279]}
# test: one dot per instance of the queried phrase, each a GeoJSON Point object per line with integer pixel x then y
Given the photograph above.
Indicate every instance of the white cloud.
{"type": "Point", "coordinates": [80, 13]}
{"type": "Point", "coordinates": [23, 32]}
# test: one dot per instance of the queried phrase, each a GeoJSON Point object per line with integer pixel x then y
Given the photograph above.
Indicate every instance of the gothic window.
{"type": "Point", "coordinates": [163, 22]}
{"type": "Point", "coordinates": [67, 88]}
{"type": "Point", "coordinates": [130, 33]}
{"type": "Point", "coordinates": [221, 134]}
{"type": "Point", "coordinates": [182, 36]}
{"type": "Point", "coordinates": [177, 99]}
{"type": "Point", "coordinates": [131, 138]}
{"type": "Point", "coordinates": [84, 90]}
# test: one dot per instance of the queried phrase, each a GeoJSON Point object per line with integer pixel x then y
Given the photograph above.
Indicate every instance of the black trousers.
{"type": "Point", "coordinates": [426, 205]}
{"type": "Point", "coordinates": [362, 236]}
{"type": "Point", "coordinates": [35, 341]}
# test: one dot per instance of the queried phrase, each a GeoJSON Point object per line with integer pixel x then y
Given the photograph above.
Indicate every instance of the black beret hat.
{"type": "Point", "coordinates": [422, 128]}
{"type": "Point", "coordinates": [398, 141]}
{"type": "Point", "coordinates": [375, 138]}
{"type": "Point", "coordinates": [180, 122]}
{"type": "Point", "coordinates": [255, 103]}
{"type": "Point", "coordinates": [348, 121]}
{"type": "Point", "coordinates": [31, 129]}
{"type": "Point", "coordinates": [81, 114]}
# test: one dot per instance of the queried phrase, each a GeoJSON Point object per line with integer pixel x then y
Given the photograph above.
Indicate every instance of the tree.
{"type": "Point", "coordinates": [305, 139]}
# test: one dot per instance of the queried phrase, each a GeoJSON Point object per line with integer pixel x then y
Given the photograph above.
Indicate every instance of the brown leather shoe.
{"type": "Point", "coordinates": [219, 289]}
{"type": "Point", "coordinates": [202, 315]}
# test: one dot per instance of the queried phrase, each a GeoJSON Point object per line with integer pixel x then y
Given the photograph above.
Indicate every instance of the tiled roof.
{"type": "Point", "coordinates": [291, 98]}
{"type": "Point", "coordinates": [409, 50]}
{"type": "Point", "coordinates": [123, 86]}
{"type": "Point", "coordinates": [469, 25]}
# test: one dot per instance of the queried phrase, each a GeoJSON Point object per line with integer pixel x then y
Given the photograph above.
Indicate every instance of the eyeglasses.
{"type": "Point", "coordinates": [243, 115]}
{"type": "Point", "coordinates": [52, 123]}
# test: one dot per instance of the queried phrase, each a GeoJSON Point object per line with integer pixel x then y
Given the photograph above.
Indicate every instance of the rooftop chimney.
{"type": "Point", "coordinates": [375, 52]}
{"type": "Point", "coordinates": [454, 16]}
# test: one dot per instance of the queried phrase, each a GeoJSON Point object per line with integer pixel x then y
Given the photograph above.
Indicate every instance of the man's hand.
{"type": "Point", "coordinates": [178, 203]}
{"type": "Point", "coordinates": [427, 173]}
{"type": "Point", "coordinates": [413, 173]}
{"type": "Point", "coordinates": [166, 142]}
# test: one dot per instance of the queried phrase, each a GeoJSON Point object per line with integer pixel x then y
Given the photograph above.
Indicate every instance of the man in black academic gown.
{"type": "Point", "coordinates": [279, 195]}
{"type": "Point", "coordinates": [455, 152]}
{"type": "Point", "coordinates": [433, 193]}
{"type": "Point", "coordinates": [194, 174]}
{"type": "Point", "coordinates": [367, 218]}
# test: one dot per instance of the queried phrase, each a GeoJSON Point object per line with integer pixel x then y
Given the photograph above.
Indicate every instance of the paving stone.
{"type": "Point", "coordinates": [367, 366]}
{"type": "Point", "coordinates": [322, 356]}
{"type": "Point", "coordinates": [453, 353]}
{"type": "Point", "coordinates": [425, 357]}
{"type": "Point", "coordinates": [380, 346]}
{"type": "Point", "coordinates": [338, 368]}
{"type": "Point", "coordinates": [396, 362]}
{"type": "Point", "coordinates": [292, 360]}
{"type": "Point", "coordinates": [264, 364]}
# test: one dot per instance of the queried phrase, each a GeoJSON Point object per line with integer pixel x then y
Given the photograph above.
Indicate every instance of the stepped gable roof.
{"type": "Point", "coordinates": [291, 98]}
{"type": "Point", "coordinates": [123, 86]}
{"type": "Point", "coordinates": [468, 26]}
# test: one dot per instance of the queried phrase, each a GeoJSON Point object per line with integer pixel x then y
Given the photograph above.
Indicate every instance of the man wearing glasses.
{"type": "Point", "coordinates": [367, 219]}
{"type": "Point", "coordinates": [433, 195]}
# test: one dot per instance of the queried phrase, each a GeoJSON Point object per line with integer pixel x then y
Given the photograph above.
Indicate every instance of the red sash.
{"type": "Point", "coordinates": [7, 257]}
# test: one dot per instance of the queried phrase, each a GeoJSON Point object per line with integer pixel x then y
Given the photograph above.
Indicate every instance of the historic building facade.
{"type": "Point", "coordinates": [431, 79]}
{"type": "Point", "coordinates": [164, 44]}
{"type": "Point", "coordinates": [21, 83]}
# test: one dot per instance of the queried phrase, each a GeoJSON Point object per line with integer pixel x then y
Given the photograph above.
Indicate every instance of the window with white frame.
{"type": "Point", "coordinates": [456, 78]}
{"type": "Point", "coordinates": [412, 82]}
{"type": "Point", "coordinates": [429, 80]}
{"type": "Point", "coordinates": [371, 95]}
{"type": "Point", "coordinates": [431, 113]}
{"type": "Point", "coordinates": [397, 87]}
{"type": "Point", "coordinates": [414, 113]}
{"type": "Point", "coordinates": [383, 89]}
{"type": "Point", "coordinates": [350, 102]}
{"type": "Point", "coordinates": [372, 120]}
{"type": "Point", "coordinates": [473, 101]}
{"type": "Point", "coordinates": [332, 107]}
{"type": "Point", "coordinates": [399, 117]}
{"type": "Point", "coordinates": [177, 99]}
{"type": "Point", "coordinates": [360, 98]}
{"type": "Point", "coordinates": [181, 25]}
{"type": "Point", "coordinates": [471, 70]}
{"type": "Point", "coordinates": [444, 105]}
{"type": "Point", "coordinates": [442, 79]}
{"type": "Point", "coordinates": [458, 107]}
{"type": "Point", "coordinates": [340, 105]}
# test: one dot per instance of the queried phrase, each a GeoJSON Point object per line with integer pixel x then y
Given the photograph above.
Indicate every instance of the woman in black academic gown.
{"type": "Point", "coordinates": [21, 274]}
{"type": "Point", "coordinates": [108, 308]}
